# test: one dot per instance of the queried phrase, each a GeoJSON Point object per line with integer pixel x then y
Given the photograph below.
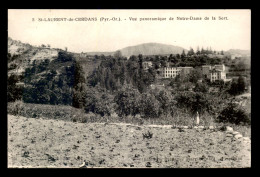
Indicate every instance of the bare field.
{"type": "Point", "coordinates": [39, 143]}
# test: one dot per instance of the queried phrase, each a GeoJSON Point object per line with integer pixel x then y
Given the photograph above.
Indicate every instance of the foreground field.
{"type": "Point", "coordinates": [55, 143]}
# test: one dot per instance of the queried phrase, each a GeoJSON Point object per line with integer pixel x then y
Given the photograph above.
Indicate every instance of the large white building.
{"type": "Point", "coordinates": [172, 72]}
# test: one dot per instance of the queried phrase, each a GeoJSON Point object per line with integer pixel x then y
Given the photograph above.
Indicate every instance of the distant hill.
{"type": "Point", "coordinates": [100, 53]}
{"type": "Point", "coordinates": [151, 49]}
{"type": "Point", "coordinates": [238, 52]}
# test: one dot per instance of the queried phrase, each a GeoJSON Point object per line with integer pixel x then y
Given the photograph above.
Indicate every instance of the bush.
{"type": "Point", "coordinates": [15, 108]}
{"type": "Point", "coordinates": [201, 87]}
{"type": "Point", "coordinates": [14, 92]}
{"type": "Point", "coordinates": [234, 114]}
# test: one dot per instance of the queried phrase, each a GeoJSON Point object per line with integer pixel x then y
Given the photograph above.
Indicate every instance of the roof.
{"type": "Point", "coordinates": [186, 67]}
{"type": "Point", "coordinates": [214, 69]}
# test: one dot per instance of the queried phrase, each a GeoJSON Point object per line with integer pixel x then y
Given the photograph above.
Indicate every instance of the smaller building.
{"type": "Point", "coordinates": [234, 56]}
{"type": "Point", "coordinates": [206, 69]}
{"type": "Point", "coordinates": [185, 70]}
{"type": "Point", "coordinates": [216, 74]}
{"type": "Point", "coordinates": [82, 54]}
{"type": "Point", "coordinates": [147, 65]}
{"type": "Point", "coordinates": [220, 67]}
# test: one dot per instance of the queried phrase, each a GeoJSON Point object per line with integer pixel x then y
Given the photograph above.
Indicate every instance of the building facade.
{"type": "Point", "coordinates": [172, 72]}
{"type": "Point", "coordinates": [214, 73]}
{"type": "Point", "coordinates": [205, 70]}
{"type": "Point", "coordinates": [169, 72]}
{"type": "Point", "coordinates": [185, 70]}
{"type": "Point", "coordinates": [147, 65]}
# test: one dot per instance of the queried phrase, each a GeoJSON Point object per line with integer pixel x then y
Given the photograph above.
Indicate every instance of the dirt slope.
{"type": "Point", "coordinates": [52, 143]}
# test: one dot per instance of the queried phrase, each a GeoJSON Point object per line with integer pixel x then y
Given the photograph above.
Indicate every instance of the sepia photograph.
{"type": "Point", "coordinates": [146, 88]}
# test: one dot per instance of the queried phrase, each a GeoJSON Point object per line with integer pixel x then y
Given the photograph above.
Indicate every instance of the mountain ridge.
{"type": "Point", "coordinates": [151, 48]}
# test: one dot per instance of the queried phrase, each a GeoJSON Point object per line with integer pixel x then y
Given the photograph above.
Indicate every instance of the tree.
{"type": "Point", "coordinates": [79, 86]}
{"type": "Point", "coordinates": [191, 52]}
{"type": "Point", "coordinates": [195, 75]}
{"type": "Point", "coordinates": [148, 106]}
{"type": "Point", "coordinates": [183, 55]}
{"type": "Point", "coordinates": [98, 101]}
{"type": "Point", "coordinates": [201, 87]}
{"type": "Point", "coordinates": [194, 102]}
{"type": "Point", "coordinates": [233, 114]}
{"type": "Point", "coordinates": [14, 92]}
{"type": "Point", "coordinates": [198, 51]}
{"type": "Point", "coordinates": [233, 88]}
{"type": "Point", "coordinates": [118, 54]}
{"type": "Point", "coordinates": [126, 100]}
{"type": "Point", "coordinates": [241, 84]}
{"type": "Point", "coordinates": [203, 51]}
{"type": "Point", "coordinates": [237, 87]}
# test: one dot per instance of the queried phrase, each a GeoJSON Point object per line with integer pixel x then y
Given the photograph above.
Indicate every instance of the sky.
{"type": "Point", "coordinates": [106, 36]}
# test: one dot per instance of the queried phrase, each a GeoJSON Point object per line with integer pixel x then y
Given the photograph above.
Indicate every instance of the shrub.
{"type": "Point", "coordinates": [147, 135]}
{"type": "Point", "coordinates": [234, 114]}
{"type": "Point", "coordinates": [15, 108]}
{"type": "Point", "coordinates": [14, 92]}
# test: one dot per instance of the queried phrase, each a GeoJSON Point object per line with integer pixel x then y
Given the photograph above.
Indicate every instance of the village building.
{"type": "Point", "coordinates": [147, 65]}
{"type": "Point", "coordinates": [185, 70]}
{"type": "Point", "coordinates": [169, 72]}
{"type": "Point", "coordinates": [205, 69]}
{"type": "Point", "coordinates": [214, 73]}
{"type": "Point", "coordinates": [234, 56]}
{"type": "Point", "coordinates": [172, 72]}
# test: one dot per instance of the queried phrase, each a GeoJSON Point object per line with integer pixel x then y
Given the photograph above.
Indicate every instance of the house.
{"type": "Point", "coordinates": [205, 69]}
{"type": "Point", "coordinates": [216, 74]}
{"type": "Point", "coordinates": [220, 67]}
{"type": "Point", "coordinates": [82, 54]}
{"type": "Point", "coordinates": [185, 70]}
{"type": "Point", "coordinates": [157, 86]}
{"type": "Point", "coordinates": [147, 65]}
{"type": "Point", "coordinates": [234, 56]}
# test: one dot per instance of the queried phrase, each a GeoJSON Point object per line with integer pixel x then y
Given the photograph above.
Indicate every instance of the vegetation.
{"type": "Point", "coordinates": [120, 88]}
{"type": "Point", "coordinates": [234, 114]}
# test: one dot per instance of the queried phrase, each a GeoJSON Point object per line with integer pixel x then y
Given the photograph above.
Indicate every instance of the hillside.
{"type": "Point", "coordinates": [100, 53]}
{"type": "Point", "coordinates": [152, 49]}
{"type": "Point", "coordinates": [238, 52]}
{"type": "Point", "coordinates": [22, 55]}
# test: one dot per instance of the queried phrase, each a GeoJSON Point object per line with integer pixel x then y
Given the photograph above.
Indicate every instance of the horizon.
{"type": "Point", "coordinates": [132, 46]}
{"type": "Point", "coordinates": [83, 36]}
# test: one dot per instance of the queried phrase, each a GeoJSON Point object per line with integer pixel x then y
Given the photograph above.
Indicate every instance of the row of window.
{"type": "Point", "coordinates": [171, 71]}
{"type": "Point", "coordinates": [170, 75]}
